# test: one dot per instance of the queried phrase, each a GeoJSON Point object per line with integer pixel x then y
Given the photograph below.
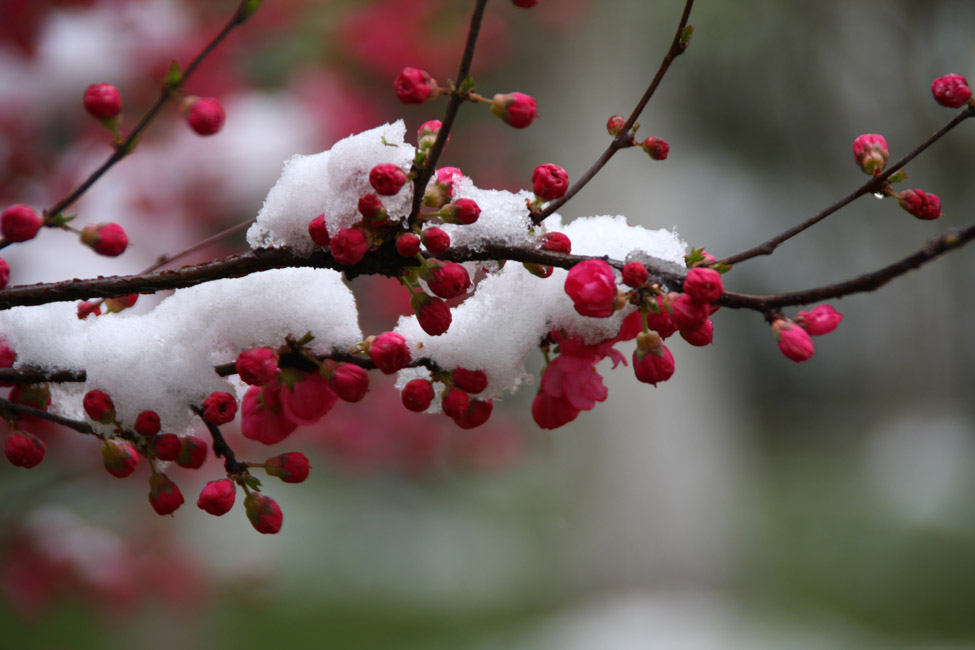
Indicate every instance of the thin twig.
{"type": "Point", "coordinates": [873, 185]}
{"type": "Point", "coordinates": [220, 447]}
{"type": "Point", "coordinates": [622, 139]}
{"type": "Point", "coordinates": [7, 407]}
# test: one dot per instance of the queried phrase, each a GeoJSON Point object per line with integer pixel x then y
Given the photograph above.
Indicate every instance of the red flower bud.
{"type": "Point", "coordinates": [703, 285]}
{"type": "Point", "coordinates": [192, 453]}
{"type": "Point", "coordinates": [204, 114]}
{"type": "Point", "coordinates": [427, 134]}
{"type": "Point", "coordinates": [257, 366]}
{"type": "Point", "coordinates": [99, 406]}
{"type": "Point", "coordinates": [656, 148]}
{"type": "Point", "coordinates": [462, 211]}
{"type": "Point", "coordinates": [387, 179]}
{"type": "Point", "coordinates": [455, 402]}
{"type": "Point", "coordinates": [417, 395]}
{"type": "Point", "coordinates": [102, 101]}
{"type": "Point", "coordinates": [433, 314]}
{"type": "Point", "coordinates": [4, 273]}
{"type": "Point", "coordinates": [87, 308]}
{"type": "Point", "coordinates": [290, 467]}
{"type": "Point", "coordinates": [517, 109]}
{"type": "Point", "coordinates": [635, 274]}
{"type": "Point", "coordinates": [349, 245]}
{"type": "Point", "coordinates": [120, 303]}
{"type": "Point", "coordinates": [700, 337]}
{"type": "Point", "coordinates": [687, 313]}
{"type": "Point", "coordinates": [549, 182]}
{"type": "Point", "coordinates": [408, 244]}
{"type": "Point", "coordinates": [263, 512]}
{"type": "Point", "coordinates": [389, 352]}
{"type": "Point", "coordinates": [871, 152]}
{"type": "Point", "coordinates": [652, 361]}
{"type": "Point", "coordinates": [615, 124]}
{"type": "Point", "coordinates": [471, 381]}
{"type": "Point", "coordinates": [436, 240]}
{"type": "Point", "coordinates": [147, 424]}
{"type": "Point", "coordinates": [823, 319]}
{"type": "Point", "coordinates": [476, 414]}
{"type": "Point", "coordinates": [164, 496]}
{"type": "Point", "coordinates": [349, 382]}
{"type": "Point", "coordinates": [120, 457]}
{"type": "Point", "coordinates": [921, 204]}
{"type": "Point", "coordinates": [107, 239]}
{"type": "Point", "coordinates": [524, 4]}
{"type": "Point", "coordinates": [556, 242]}
{"type": "Point", "coordinates": [592, 287]}
{"type": "Point", "coordinates": [217, 497]}
{"type": "Point", "coordinates": [19, 223]}
{"type": "Point", "coordinates": [219, 408]}
{"type": "Point", "coordinates": [446, 279]}
{"type": "Point", "coordinates": [35, 395]}
{"type": "Point", "coordinates": [24, 449]}
{"type": "Point", "coordinates": [414, 86]}
{"type": "Point", "coordinates": [794, 342]}
{"type": "Point", "coordinates": [317, 231]}
{"type": "Point", "coordinates": [166, 446]}
{"type": "Point", "coordinates": [951, 90]}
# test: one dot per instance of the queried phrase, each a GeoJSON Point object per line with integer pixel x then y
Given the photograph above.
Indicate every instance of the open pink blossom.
{"type": "Point", "coordinates": [305, 396]}
{"type": "Point", "coordinates": [262, 416]}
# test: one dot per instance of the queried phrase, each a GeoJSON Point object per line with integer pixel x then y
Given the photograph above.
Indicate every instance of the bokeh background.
{"type": "Point", "coordinates": [747, 503]}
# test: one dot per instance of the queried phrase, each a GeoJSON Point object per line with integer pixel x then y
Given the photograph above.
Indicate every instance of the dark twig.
{"type": "Point", "coordinates": [8, 408]}
{"type": "Point", "coordinates": [220, 447]}
{"type": "Point", "coordinates": [873, 185]}
{"type": "Point", "coordinates": [453, 105]}
{"type": "Point", "coordinates": [622, 139]}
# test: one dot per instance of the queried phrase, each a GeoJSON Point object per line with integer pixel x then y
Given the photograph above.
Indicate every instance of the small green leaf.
{"type": "Point", "coordinates": [247, 9]}
{"type": "Point", "coordinates": [467, 85]}
{"type": "Point", "coordinates": [685, 36]}
{"type": "Point", "coordinates": [897, 177]}
{"type": "Point", "coordinates": [174, 76]}
{"type": "Point", "coordinates": [305, 340]}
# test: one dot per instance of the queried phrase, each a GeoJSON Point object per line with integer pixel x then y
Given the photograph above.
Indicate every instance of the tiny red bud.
{"type": "Point", "coordinates": [414, 86]}
{"type": "Point", "coordinates": [871, 152]}
{"type": "Point", "coordinates": [794, 342]}
{"type": "Point", "coordinates": [205, 115]}
{"type": "Point", "coordinates": [107, 239]}
{"type": "Point", "coordinates": [703, 284]}
{"type": "Point", "coordinates": [556, 242]}
{"type": "Point", "coordinates": [426, 136]}
{"type": "Point", "coordinates": [703, 335]}
{"type": "Point", "coordinates": [88, 308]}
{"type": "Point", "coordinates": [147, 424]}
{"type": "Point", "coordinates": [290, 467]}
{"type": "Point", "coordinates": [219, 408]}
{"type": "Point", "coordinates": [446, 279]}
{"type": "Point", "coordinates": [687, 313]}
{"type": "Point", "coordinates": [417, 395]}
{"type": "Point", "coordinates": [120, 457]}
{"type": "Point", "coordinates": [471, 381]}
{"type": "Point", "coordinates": [408, 244]}
{"type": "Point", "coordinates": [436, 240]}
{"type": "Point", "coordinates": [462, 211]}
{"type": "Point", "coordinates": [99, 406]}
{"type": "Point", "coordinates": [921, 204]}
{"type": "Point", "coordinates": [317, 231]}
{"type": "Point", "coordinates": [477, 413]}
{"type": "Point", "coordinates": [389, 352]}
{"type": "Point", "coordinates": [615, 124]}
{"type": "Point", "coordinates": [516, 109]}
{"type": "Point", "coordinates": [19, 223]}
{"type": "Point", "coordinates": [192, 453]}
{"type": "Point", "coordinates": [951, 90]}
{"type": "Point", "coordinates": [166, 446]}
{"type": "Point", "coordinates": [433, 314]}
{"type": "Point", "coordinates": [549, 182]}
{"type": "Point", "coordinates": [652, 361]}
{"type": "Point", "coordinates": [349, 382]}
{"type": "Point", "coordinates": [257, 366]}
{"type": "Point", "coordinates": [656, 148]}
{"type": "Point", "coordinates": [24, 449]}
{"type": "Point", "coordinates": [120, 303]}
{"type": "Point", "coordinates": [635, 274]}
{"type": "Point", "coordinates": [660, 321]}
{"type": "Point", "coordinates": [349, 246]}
{"type": "Point", "coordinates": [455, 402]}
{"type": "Point", "coordinates": [387, 179]}
{"type": "Point", "coordinates": [164, 495]}
{"type": "Point", "coordinates": [822, 319]}
{"type": "Point", "coordinates": [217, 497]}
{"type": "Point", "coordinates": [263, 512]}
{"type": "Point", "coordinates": [592, 287]}
{"type": "Point", "coordinates": [102, 101]}
{"type": "Point", "coordinates": [4, 273]}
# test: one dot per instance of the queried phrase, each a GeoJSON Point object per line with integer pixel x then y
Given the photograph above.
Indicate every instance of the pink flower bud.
{"type": "Point", "coordinates": [592, 287]}
{"type": "Point", "coordinates": [414, 86]}
{"type": "Point", "coordinates": [4, 273]}
{"type": "Point", "coordinates": [471, 381]}
{"type": "Point", "coordinates": [441, 190]}
{"type": "Point", "coordinates": [7, 359]}
{"type": "Point", "coordinates": [635, 274]}
{"type": "Point", "coordinates": [552, 412]}
{"type": "Point", "coordinates": [455, 402]}
{"type": "Point", "coordinates": [687, 313]}
{"type": "Point", "coordinates": [120, 457]}
{"type": "Point", "coordinates": [556, 242]}
{"type": "Point", "coordinates": [461, 211]}
{"type": "Point", "coordinates": [317, 231]}
{"type": "Point", "coordinates": [166, 446]}
{"type": "Point", "coordinates": [290, 467]}
{"type": "Point", "coordinates": [417, 395]}
{"type": "Point", "coordinates": [87, 308]}
{"type": "Point", "coordinates": [192, 453]}
{"type": "Point", "coordinates": [19, 223]}
{"type": "Point", "coordinates": [387, 179]}
{"type": "Point", "coordinates": [652, 361]}
{"type": "Point", "coordinates": [615, 124]}
{"type": "Point", "coordinates": [408, 244]}
{"type": "Point", "coordinates": [921, 204]}
{"type": "Point", "coordinates": [871, 152]}
{"type": "Point", "coordinates": [147, 424]}
{"type": "Point", "coordinates": [24, 449]}
{"type": "Point", "coordinates": [219, 408]}
{"type": "Point", "coordinates": [656, 148]}
{"type": "Point", "coordinates": [102, 101]}
{"type": "Point", "coordinates": [263, 512]}
{"type": "Point", "coordinates": [99, 406]}
{"type": "Point", "coordinates": [35, 395]}
{"type": "Point", "coordinates": [823, 319]}
{"type": "Point", "coordinates": [703, 285]}
{"type": "Point", "coordinates": [389, 352]}
{"type": "Point", "coordinates": [794, 342]}
{"type": "Point", "coordinates": [951, 90]}
{"type": "Point", "coordinates": [476, 414]}
{"type": "Point", "coordinates": [204, 114]}
{"type": "Point", "coordinates": [517, 109]}
{"type": "Point", "coordinates": [349, 382]}
{"type": "Point", "coordinates": [217, 497]}
{"type": "Point", "coordinates": [164, 496]}
{"type": "Point", "coordinates": [107, 239]}
{"type": "Point", "coordinates": [524, 4]}
{"type": "Point", "coordinates": [257, 366]}
{"type": "Point", "coordinates": [426, 136]}
{"type": "Point", "coordinates": [433, 314]}
{"type": "Point", "coordinates": [549, 182]}
{"type": "Point", "coordinates": [436, 240]}
{"type": "Point", "coordinates": [446, 279]}
{"type": "Point", "coordinates": [349, 246]}
{"type": "Point", "coordinates": [120, 303]}
{"type": "Point", "coordinates": [700, 337]}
